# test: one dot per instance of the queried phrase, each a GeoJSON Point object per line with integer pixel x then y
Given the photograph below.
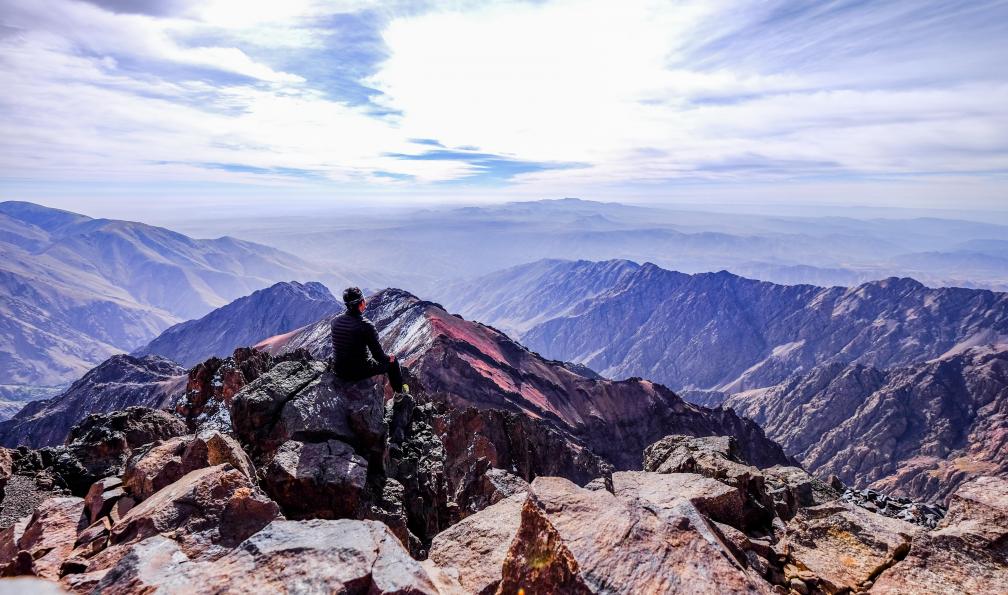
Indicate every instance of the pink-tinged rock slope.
{"type": "Point", "coordinates": [469, 364]}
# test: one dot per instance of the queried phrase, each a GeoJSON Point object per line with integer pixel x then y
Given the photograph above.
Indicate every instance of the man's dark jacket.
{"type": "Point", "coordinates": [353, 336]}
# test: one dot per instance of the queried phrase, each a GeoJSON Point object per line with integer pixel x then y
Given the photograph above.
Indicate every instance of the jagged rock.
{"type": "Point", "coordinates": [151, 469]}
{"type": "Point", "coordinates": [208, 511]}
{"type": "Point", "coordinates": [836, 546]}
{"type": "Point", "coordinates": [600, 483]}
{"type": "Point", "coordinates": [385, 502]}
{"type": "Point", "coordinates": [316, 480]}
{"type": "Point", "coordinates": [478, 440]}
{"type": "Point", "coordinates": [419, 465]}
{"type": "Point", "coordinates": [793, 487]}
{"type": "Point", "coordinates": [48, 538]}
{"type": "Point", "coordinates": [99, 446]}
{"type": "Point", "coordinates": [622, 549]}
{"type": "Point", "coordinates": [212, 385]}
{"type": "Point", "coordinates": [101, 497]}
{"type": "Point", "coordinates": [9, 537]}
{"type": "Point", "coordinates": [161, 464]}
{"type": "Point", "coordinates": [324, 556]}
{"type": "Point", "coordinates": [255, 410]}
{"type": "Point", "coordinates": [719, 501]}
{"type": "Point", "coordinates": [966, 554]}
{"type": "Point", "coordinates": [6, 467]}
{"type": "Point", "coordinates": [979, 508]}
{"type": "Point", "coordinates": [717, 457]}
{"type": "Point", "coordinates": [473, 550]}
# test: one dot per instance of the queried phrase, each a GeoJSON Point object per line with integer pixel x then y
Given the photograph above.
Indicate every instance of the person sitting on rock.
{"type": "Point", "coordinates": [357, 354]}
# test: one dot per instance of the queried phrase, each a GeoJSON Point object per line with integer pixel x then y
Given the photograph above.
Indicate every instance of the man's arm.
{"type": "Point", "coordinates": [371, 337]}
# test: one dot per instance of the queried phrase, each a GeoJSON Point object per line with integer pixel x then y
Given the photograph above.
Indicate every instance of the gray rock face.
{"type": "Point", "coordinates": [277, 309]}
{"type": "Point", "coordinates": [316, 480]}
{"type": "Point", "coordinates": [120, 382]}
{"type": "Point", "coordinates": [917, 431]}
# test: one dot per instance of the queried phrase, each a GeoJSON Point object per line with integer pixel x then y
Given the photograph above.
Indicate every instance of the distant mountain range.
{"type": "Point", "coordinates": [423, 249]}
{"type": "Point", "coordinates": [719, 331]}
{"type": "Point", "coordinates": [76, 290]}
{"type": "Point", "coordinates": [888, 384]}
{"type": "Point", "coordinates": [282, 307]}
{"type": "Point", "coordinates": [921, 429]}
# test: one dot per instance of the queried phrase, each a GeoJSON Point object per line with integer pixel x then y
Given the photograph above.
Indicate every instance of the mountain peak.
{"type": "Point", "coordinates": [282, 307]}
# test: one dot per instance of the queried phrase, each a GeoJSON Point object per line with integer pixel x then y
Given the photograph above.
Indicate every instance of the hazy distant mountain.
{"type": "Point", "coordinates": [724, 332]}
{"type": "Point", "coordinates": [920, 430]}
{"type": "Point", "coordinates": [424, 248]}
{"type": "Point", "coordinates": [75, 290]}
{"type": "Point", "coordinates": [245, 321]}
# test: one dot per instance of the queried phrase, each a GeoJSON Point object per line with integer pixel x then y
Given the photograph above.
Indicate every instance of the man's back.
{"type": "Point", "coordinates": [353, 336]}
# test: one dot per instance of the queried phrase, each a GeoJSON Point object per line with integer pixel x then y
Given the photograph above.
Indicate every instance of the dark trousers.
{"type": "Point", "coordinates": [373, 368]}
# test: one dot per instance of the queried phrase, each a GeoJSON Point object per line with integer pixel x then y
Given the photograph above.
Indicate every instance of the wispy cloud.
{"type": "Point", "coordinates": [587, 97]}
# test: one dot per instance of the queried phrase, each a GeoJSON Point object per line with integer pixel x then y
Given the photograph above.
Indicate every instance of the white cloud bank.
{"type": "Point", "coordinates": [590, 98]}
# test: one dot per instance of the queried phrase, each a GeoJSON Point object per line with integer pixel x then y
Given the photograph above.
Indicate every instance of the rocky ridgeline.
{"type": "Point", "coordinates": [308, 484]}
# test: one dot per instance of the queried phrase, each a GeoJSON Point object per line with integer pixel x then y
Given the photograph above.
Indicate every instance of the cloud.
{"type": "Point", "coordinates": [574, 97]}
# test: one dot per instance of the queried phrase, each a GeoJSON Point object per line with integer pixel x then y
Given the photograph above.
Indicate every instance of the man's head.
{"type": "Point", "coordinates": [354, 299]}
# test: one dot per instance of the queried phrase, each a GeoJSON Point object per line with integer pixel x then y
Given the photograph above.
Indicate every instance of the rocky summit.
{"type": "Point", "coordinates": [501, 472]}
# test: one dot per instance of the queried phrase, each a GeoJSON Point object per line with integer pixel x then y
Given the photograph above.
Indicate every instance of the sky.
{"type": "Point", "coordinates": [144, 102]}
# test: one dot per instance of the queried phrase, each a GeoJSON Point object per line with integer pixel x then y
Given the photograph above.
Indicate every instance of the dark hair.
{"type": "Point", "coordinates": [352, 296]}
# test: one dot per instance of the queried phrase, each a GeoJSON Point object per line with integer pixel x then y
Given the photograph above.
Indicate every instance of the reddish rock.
{"type": "Point", "coordinates": [164, 463]}
{"type": "Point", "coordinates": [9, 538]}
{"type": "Point", "coordinates": [843, 546]}
{"type": "Point", "coordinates": [718, 501]}
{"type": "Point", "coordinates": [102, 497]}
{"type": "Point", "coordinates": [49, 538]}
{"type": "Point", "coordinates": [325, 556]}
{"type": "Point", "coordinates": [317, 480]}
{"type": "Point", "coordinates": [212, 385]}
{"type": "Point", "coordinates": [151, 470]}
{"type": "Point", "coordinates": [966, 553]}
{"type": "Point", "coordinates": [717, 457]}
{"type": "Point", "coordinates": [574, 540]}
{"type": "Point", "coordinates": [208, 511]}
{"type": "Point", "coordinates": [472, 552]}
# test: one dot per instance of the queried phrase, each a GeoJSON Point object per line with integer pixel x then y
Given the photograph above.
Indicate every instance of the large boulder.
{"type": "Point", "coordinates": [718, 501]}
{"type": "Point", "coordinates": [300, 400]}
{"type": "Point", "coordinates": [716, 457]}
{"type": "Point", "coordinates": [163, 463]}
{"type": "Point", "coordinates": [48, 538]}
{"type": "Point", "coordinates": [792, 488]}
{"type": "Point", "coordinates": [837, 547]}
{"type": "Point", "coordinates": [473, 551]}
{"type": "Point", "coordinates": [967, 553]}
{"type": "Point", "coordinates": [212, 385]}
{"type": "Point", "coordinates": [208, 511]}
{"type": "Point", "coordinates": [316, 479]}
{"type": "Point", "coordinates": [574, 540]}
{"type": "Point", "coordinates": [316, 556]}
